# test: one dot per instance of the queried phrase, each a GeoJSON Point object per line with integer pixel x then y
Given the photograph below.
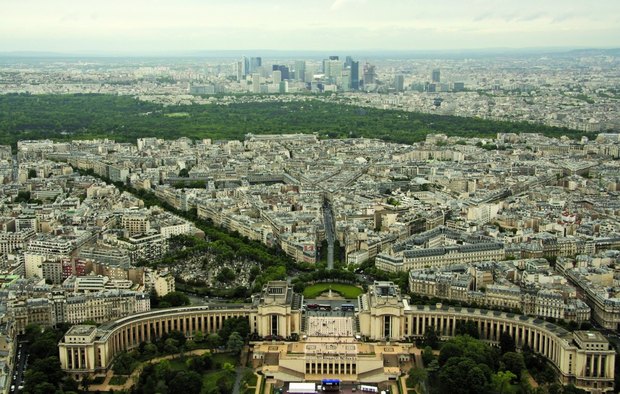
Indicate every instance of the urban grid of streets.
{"type": "Point", "coordinates": [550, 206]}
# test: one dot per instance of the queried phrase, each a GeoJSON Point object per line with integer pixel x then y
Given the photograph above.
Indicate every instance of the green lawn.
{"type": "Point", "coordinates": [249, 377]}
{"type": "Point", "coordinates": [224, 358]}
{"type": "Point", "coordinates": [118, 380]}
{"type": "Point", "coordinates": [210, 378]}
{"type": "Point", "coordinates": [347, 291]}
{"type": "Point", "coordinates": [178, 364]}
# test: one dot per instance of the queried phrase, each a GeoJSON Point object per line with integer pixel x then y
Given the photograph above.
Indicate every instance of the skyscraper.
{"type": "Point", "coordinates": [369, 74]}
{"type": "Point", "coordinates": [344, 82]}
{"type": "Point", "coordinates": [300, 70]}
{"type": "Point", "coordinates": [239, 70]}
{"type": "Point", "coordinates": [355, 75]}
{"type": "Point", "coordinates": [277, 77]}
{"type": "Point", "coordinates": [458, 86]}
{"type": "Point", "coordinates": [255, 63]}
{"type": "Point", "coordinates": [256, 83]}
{"type": "Point", "coordinates": [348, 61]}
{"type": "Point", "coordinates": [399, 82]}
{"type": "Point", "coordinates": [245, 66]}
{"type": "Point", "coordinates": [333, 69]}
{"type": "Point", "coordinates": [327, 63]}
{"type": "Point", "coordinates": [283, 69]}
{"type": "Point", "coordinates": [436, 76]}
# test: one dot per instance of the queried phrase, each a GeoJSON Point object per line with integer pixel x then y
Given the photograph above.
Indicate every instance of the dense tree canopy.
{"type": "Point", "coordinates": [44, 374]}
{"type": "Point", "coordinates": [124, 118]}
{"type": "Point", "coordinates": [175, 298]}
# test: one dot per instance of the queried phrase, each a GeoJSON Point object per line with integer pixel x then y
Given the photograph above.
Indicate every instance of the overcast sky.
{"type": "Point", "coordinates": [128, 26]}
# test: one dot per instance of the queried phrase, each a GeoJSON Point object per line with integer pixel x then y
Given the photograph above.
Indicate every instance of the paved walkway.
{"type": "Point", "coordinates": [329, 326]}
{"type": "Point", "coordinates": [237, 385]}
{"type": "Point", "coordinates": [133, 378]}
{"type": "Point", "coordinates": [530, 379]}
{"type": "Point", "coordinates": [268, 388]}
{"type": "Point", "coordinates": [403, 383]}
{"type": "Point", "coordinates": [259, 383]}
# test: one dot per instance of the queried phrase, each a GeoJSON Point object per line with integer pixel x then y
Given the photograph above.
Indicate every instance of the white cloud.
{"type": "Point", "coordinates": [134, 25]}
{"type": "Point", "coordinates": [343, 4]}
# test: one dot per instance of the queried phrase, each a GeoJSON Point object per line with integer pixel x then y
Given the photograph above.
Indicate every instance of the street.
{"type": "Point", "coordinates": [21, 364]}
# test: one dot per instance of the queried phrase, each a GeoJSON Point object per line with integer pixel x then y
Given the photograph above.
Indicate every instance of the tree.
{"type": "Point", "coordinates": [235, 343]}
{"type": "Point", "coordinates": [171, 346]}
{"type": "Point", "coordinates": [161, 387]}
{"type": "Point", "coordinates": [178, 336]}
{"type": "Point", "coordinates": [176, 298]}
{"type": "Point", "coordinates": [224, 384]}
{"type": "Point", "coordinates": [50, 366]}
{"type": "Point", "coordinates": [33, 332]}
{"type": "Point", "coordinates": [32, 173]}
{"type": "Point", "coordinates": [190, 345]}
{"type": "Point", "coordinates": [555, 388]}
{"type": "Point", "coordinates": [213, 341]}
{"type": "Point", "coordinates": [43, 348]}
{"type": "Point", "coordinates": [207, 359]}
{"type": "Point", "coordinates": [477, 377]}
{"type": "Point", "coordinates": [513, 362]}
{"type": "Point", "coordinates": [416, 376]}
{"type": "Point", "coordinates": [150, 351]}
{"type": "Point", "coordinates": [431, 337]}
{"type": "Point", "coordinates": [226, 275]}
{"type": "Point", "coordinates": [199, 337]}
{"type": "Point", "coordinates": [476, 350]}
{"type": "Point", "coordinates": [427, 355]}
{"type": "Point", "coordinates": [254, 272]}
{"type": "Point", "coordinates": [461, 375]}
{"type": "Point", "coordinates": [163, 371]}
{"type": "Point", "coordinates": [184, 173]}
{"type": "Point", "coordinates": [501, 381]}
{"type": "Point", "coordinates": [34, 377]}
{"type": "Point", "coordinates": [506, 343]}
{"type": "Point", "coordinates": [23, 196]}
{"type": "Point", "coordinates": [190, 382]}
{"type": "Point", "coordinates": [239, 324]}
{"type": "Point", "coordinates": [86, 382]}
{"type": "Point", "coordinates": [467, 328]}
{"type": "Point", "coordinates": [196, 364]}
{"type": "Point", "coordinates": [43, 388]}
{"type": "Point", "coordinates": [229, 368]}
{"type": "Point", "coordinates": [154, 299]}
{"type": "Point", "coordinates": [124, 364]}
{"type": "Point", "coordinates": [448, 351]}
{"type": "Point", "coordinates": [69, 385]}
{"type": "Point", "coordinates": [149, 383]}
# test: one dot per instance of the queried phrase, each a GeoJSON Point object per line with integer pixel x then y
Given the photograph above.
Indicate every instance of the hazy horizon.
{"type": "Point", "coordinates": [182, 26]}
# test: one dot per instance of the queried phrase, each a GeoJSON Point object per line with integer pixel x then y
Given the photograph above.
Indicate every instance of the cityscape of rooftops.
{"type": "Point", "coordinates": [328, 196]}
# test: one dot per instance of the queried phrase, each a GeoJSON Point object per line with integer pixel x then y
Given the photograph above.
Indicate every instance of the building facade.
{"type": "Point", "coordinates": [583, 358]}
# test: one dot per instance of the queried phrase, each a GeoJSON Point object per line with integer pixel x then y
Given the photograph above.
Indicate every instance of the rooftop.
{"type": "Point", "coordinates": [81, 330]}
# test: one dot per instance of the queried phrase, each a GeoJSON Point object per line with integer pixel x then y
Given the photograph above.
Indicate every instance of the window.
{"type": "Point", "coordinates": [274, 325]}
{"type": "Point", "coordinates": [387, 326]}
